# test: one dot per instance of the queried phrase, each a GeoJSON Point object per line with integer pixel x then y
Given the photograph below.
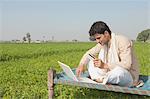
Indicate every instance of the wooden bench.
{"type": "Point", "coordinates": [62, 78]}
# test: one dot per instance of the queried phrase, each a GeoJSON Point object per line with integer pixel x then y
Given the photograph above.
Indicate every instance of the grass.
{"type": "Point", "coordinates": [23, 70]}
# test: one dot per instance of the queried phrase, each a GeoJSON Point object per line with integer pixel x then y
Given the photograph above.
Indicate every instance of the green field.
{"type": "Point", "coordinates": [24, 67]}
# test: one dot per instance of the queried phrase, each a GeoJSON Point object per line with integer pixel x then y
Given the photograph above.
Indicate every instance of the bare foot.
{"type": "Point", "coordinates": [99, 80]}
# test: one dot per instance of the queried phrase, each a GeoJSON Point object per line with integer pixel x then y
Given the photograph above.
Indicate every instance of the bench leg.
{"type": "Point", "coordinates": [51, 74]}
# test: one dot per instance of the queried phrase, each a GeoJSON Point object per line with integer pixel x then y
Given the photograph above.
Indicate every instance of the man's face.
{"type": "Point", "coordinates": [102, 38]}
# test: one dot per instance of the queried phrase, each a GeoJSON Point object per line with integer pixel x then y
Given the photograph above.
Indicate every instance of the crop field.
{"type": "Point", "coordinates": [24, 67]}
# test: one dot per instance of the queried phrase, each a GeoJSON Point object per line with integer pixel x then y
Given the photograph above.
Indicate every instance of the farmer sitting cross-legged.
{"type": "Point", "coordinates": [115, 62]}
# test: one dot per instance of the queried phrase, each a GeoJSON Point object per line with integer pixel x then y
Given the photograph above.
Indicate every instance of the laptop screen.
{"type": "Point", "coordinates": [68, 71]}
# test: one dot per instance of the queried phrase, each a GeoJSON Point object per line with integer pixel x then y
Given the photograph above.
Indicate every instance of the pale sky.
{"type": "Point", "coordinates": [71, 19]}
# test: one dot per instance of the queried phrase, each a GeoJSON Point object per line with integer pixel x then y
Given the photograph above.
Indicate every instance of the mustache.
{"type": "Point", "coordinates": [101, 43]}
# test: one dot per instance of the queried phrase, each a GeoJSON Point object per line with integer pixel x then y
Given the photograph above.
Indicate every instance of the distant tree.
{"type": "Point", "coordinates": [24, 39]}
{"type": "Point", "coordinates": [13, 41]}
{"type": "Point", "coordinates": [144, 35]}
{"type": "Point", "coordinates": [28, 37]}
{"type": "Point", "coordinates": [29, 40]}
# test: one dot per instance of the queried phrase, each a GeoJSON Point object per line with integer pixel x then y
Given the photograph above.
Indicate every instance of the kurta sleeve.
{"type": "Point", "coordinates": [93, 51]}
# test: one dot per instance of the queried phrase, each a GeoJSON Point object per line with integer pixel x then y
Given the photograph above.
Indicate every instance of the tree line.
{"type": "Point", "coordinates": [142, 36]}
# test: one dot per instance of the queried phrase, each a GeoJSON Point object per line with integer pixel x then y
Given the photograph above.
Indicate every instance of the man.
{"type": "Point", "coordinates": [116, 63]}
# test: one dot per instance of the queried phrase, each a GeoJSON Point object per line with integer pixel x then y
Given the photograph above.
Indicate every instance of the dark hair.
{"type": "Point", "coordinates": [99, 27]}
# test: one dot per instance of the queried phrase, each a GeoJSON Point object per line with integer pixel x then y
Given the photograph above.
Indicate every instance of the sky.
{"type": "Point", "coordinates": [71, 19]}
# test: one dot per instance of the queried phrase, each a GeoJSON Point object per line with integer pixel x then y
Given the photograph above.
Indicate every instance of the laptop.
{"type": "Point", "coordinates": [71, 75]}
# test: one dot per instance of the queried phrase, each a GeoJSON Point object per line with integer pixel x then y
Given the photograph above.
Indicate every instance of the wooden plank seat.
{"type": "Point", "coordinates": [62, 78]}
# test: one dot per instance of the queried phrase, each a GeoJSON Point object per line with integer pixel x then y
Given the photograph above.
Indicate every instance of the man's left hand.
{"type": "Point", "coordinates": [98, 63]}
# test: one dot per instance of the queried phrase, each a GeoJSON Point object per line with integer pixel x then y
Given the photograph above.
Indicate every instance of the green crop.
{"type": "Point", "coordinates": [24, 67]}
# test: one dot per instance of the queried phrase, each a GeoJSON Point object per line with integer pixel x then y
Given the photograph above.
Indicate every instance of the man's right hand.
{"type": "Point", "coordinates": [79, 70]}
